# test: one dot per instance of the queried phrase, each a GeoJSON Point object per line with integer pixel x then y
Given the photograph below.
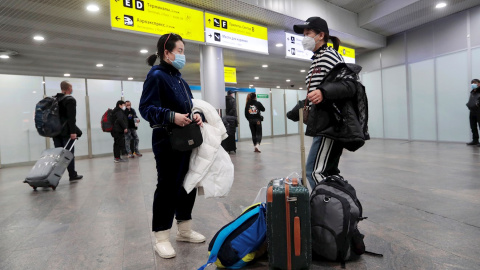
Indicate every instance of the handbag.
{"type": "Point", "coordinates": [188, 137]}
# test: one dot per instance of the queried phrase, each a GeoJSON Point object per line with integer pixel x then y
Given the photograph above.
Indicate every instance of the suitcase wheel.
{"type": "Point", "coordinates": [53, 187]}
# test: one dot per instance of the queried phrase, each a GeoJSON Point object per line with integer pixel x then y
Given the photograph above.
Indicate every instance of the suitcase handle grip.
{"type": "Point", "coordinates": [71, 147]}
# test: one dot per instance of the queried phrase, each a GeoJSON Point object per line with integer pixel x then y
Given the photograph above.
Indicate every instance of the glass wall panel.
{"type": "Point", "coordinates": [278, 102]}
{"type": "Point", "coordinates": [243, 123]}
{"type": "Point", "coordinates": [197, 94]}
{"type": "Point", "coordinates": [452, 95]}
{"type": "Point", "coordinates": [373, 86]}
{"type": "Point", "coordinates": [103, 94]}
{"type": "Point", "coordinates": [267, 115]}
{"type": "Point", "coordinates": [19, 140]}
{"type": "Point", "coordinates": [52, 87]}
{"type": "Point", "coordinates": [422, 103]}
{"type": "Point", "coordinates": [394, 84]}
{"type": "Point", "coordinates": [132, 91]}
{"type": "Point", "coordinates": [291, 100]}
{"type": "Point", "coordinates": [476, 64]}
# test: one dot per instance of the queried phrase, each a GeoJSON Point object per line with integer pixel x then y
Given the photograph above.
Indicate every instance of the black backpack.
{"type": "Point", "coordinates": [47, 117]}
{"type": "Point", "coordinates": [335, 234]}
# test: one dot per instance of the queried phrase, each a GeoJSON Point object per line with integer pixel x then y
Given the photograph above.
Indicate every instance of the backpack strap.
{"type": "Point", "coordinates": [226, 232]}
{"type": "Point", "coordinates": [373, 253]}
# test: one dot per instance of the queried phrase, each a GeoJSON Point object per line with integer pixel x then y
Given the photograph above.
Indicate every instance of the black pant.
{"type": "Point", "coordinates": [256, 129]}
{"type": "Point", "coordinates": [118, 144]}
{"type": "Point", "coordinates": [61, 142]}
{"type": "Point", "coordinates": [474, 122]}
{"type": "Point", "coordinates": [170, 199]}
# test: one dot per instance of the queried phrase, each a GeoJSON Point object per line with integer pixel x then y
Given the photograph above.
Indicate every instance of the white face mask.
{"type": "Point", "coordinates": [309, 43]}
{"type": "Point", "coordinates": [124, 107]}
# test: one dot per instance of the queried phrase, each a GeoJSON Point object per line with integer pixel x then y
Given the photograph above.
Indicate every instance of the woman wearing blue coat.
{"type": "Point", "coordinates": [166, 102]}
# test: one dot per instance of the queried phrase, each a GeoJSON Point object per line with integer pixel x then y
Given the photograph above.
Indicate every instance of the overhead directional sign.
{"type": "Point", "coordinates": [230, 74]}
{"type": "Point", "coordinates": [294, 49]}
{"type": "Point", "coordinates": [158, 18]}
{"type": "Point", "coordinates": [225, 32]}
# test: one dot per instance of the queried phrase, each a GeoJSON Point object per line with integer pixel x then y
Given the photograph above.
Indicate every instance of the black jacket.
{"type": "Point", "coordinates": [68, 115]}
{"type": "Point", "coordinates": [343, 114]}
{"type": "Point", "coordinates": [131, 115]}
{"type": "Point", "coordinates": [121, 122]}
{"type": "Point", "coordinates": [253, 109]}
{"type": "Point", "coordinates": [474, 100]}
{"type": "Point", "coordinates": [231, 106]}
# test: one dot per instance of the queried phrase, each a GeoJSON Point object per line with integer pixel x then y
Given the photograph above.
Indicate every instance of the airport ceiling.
{"type": "Point", "coordinates": [76, 40]}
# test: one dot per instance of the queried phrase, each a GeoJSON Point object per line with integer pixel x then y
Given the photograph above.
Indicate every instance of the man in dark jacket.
{"type": "Point", "coordinates": [231, 122]}
{"type": "Point", "coordinates": [70, 131]}
{"type": "Point", "coordinates": [131, 137]}
{"type": "Point", "coordinates": [120, 128]}
{"type": "Point", "coordinates": [473, 105]}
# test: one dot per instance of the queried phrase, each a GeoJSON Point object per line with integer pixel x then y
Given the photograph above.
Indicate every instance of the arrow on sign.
{"type": "Point", "coordinates": [210, 35]}
{"type": "Point", "coordinates": [117, 18]}
{"type": "Point", "coordinates": [116, 0]}
{"type": "Point", "coordinates": [209, 20]}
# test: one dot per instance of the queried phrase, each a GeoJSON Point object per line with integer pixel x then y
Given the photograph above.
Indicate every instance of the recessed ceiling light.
{"type": "Point", "coordinates": [256, 78]}
{"type": "Point", "coordinates": [144, 51]}
{"type": "Point", "coordinates": [441, 5]}
{"type": "Point", "coordinates": [264, 66]}
{"type": "Point", "coordinates": [99, 65]}
{"type": "Point", "coordinates": [287, 80]}
{"type": "Point", "coordinates": [66, 74]}
{"type": "Point", "coordinates": [250, 85]}
{"type": "Point", "coordinates": [39, 38]}
{"type": "Point", "coordinates": [4, 56]}
{"type": "Point", "coordinates": [300, 88]}
{"type": "Point", "coordinates": [279, 44]}
{"type": "Point", "coordinates": [93, 8]}
{"type": "Point", "coordinates": [278, 86]}
{"type": "Point", "coordinates": [303, 70]}
{"type": "Point", "coordinates": [130, 78]}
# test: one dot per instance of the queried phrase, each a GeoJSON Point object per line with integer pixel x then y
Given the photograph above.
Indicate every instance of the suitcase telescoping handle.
{"type": "Point", "coordinates": [71, 147]}
{"type": "Point", "coordinates": [302, 147]}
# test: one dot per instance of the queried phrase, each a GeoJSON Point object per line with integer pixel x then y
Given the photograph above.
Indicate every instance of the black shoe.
{"type": "Point", "coordinates": [77, 177]}
{"type": "Point", "coordinates": [478, 145]}
{"type": "Point", "coordinates": [472, 143]}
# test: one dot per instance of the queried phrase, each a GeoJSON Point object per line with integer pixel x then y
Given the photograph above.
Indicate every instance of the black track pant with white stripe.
{"type": "Point", "coordinates": [323, 159]}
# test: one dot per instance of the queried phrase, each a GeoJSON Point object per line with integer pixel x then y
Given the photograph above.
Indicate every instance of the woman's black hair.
{"type": "Point", "coordinates": [120, 102]}
{"type": "Point", "coordinates": [335, 40]}
{"type": "Point", "coordinates": [171, 40]}
{"type": "Point", "coordinates": [475, 81]}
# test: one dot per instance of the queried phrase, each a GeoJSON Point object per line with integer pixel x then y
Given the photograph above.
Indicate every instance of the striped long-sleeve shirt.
{"type": "Point", "coordinates": [324, 60]}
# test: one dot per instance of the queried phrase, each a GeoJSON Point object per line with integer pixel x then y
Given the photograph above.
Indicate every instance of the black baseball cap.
{"type": "Point", "coordinates": [231, 92]}
{"type": "Point", "coordinates": [315, 23]}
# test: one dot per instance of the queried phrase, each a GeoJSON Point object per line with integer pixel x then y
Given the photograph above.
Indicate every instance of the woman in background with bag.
{"type": "Point", "coordinates": [324, 155]}
{"type": "Point", "coordinates": [254, 117]}
{"type": "Point", "coordinates": [166, 104]}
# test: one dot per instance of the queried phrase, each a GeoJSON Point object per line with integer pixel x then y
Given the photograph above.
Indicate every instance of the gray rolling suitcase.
{"type": "Point", "coordinates": [49, 169]}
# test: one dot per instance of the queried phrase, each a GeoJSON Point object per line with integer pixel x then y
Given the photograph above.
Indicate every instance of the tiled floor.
{"type": "Point", "coordinates": [422, 200]}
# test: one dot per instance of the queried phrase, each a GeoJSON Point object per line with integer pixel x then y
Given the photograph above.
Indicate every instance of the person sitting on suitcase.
{"type": "Point", "coordinates": [70, 131]}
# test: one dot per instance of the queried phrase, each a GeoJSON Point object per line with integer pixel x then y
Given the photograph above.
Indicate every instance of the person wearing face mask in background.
{"type": "Point", "coordinates": [474, 107]}
{"type": "Point", "coordinates": [166, 102]}
{"type": "Point", "coordinates": [324, 155]}
{"type": "Point", "coordinates": [120, 127]}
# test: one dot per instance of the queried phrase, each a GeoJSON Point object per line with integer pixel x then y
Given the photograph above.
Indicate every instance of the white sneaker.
{"type": "Point", "coordinates": [163, 247]}
{"type": "Point", "coordinates": [186, 234]}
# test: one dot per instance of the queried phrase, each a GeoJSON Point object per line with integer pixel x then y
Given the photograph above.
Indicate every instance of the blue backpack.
{"type": "Point", "coordinates": [237, 243]}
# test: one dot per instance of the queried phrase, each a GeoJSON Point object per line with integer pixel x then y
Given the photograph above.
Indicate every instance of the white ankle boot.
{"type": "Point", "coordinates": [163, 246]}
{"type": "Point", "coordinates": [186, 234]}
{"type": "Point", "coordinates": [257, 148]}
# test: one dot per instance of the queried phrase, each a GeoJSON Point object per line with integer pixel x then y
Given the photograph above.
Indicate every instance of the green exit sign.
{"type": "Point", "coordinates": [262, 95]}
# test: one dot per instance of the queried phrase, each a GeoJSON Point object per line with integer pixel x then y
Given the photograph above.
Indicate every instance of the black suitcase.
{"type": "Point", "coordinates": [229, 144]}
{"type": "Point", "coordinates": [288, 225]}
